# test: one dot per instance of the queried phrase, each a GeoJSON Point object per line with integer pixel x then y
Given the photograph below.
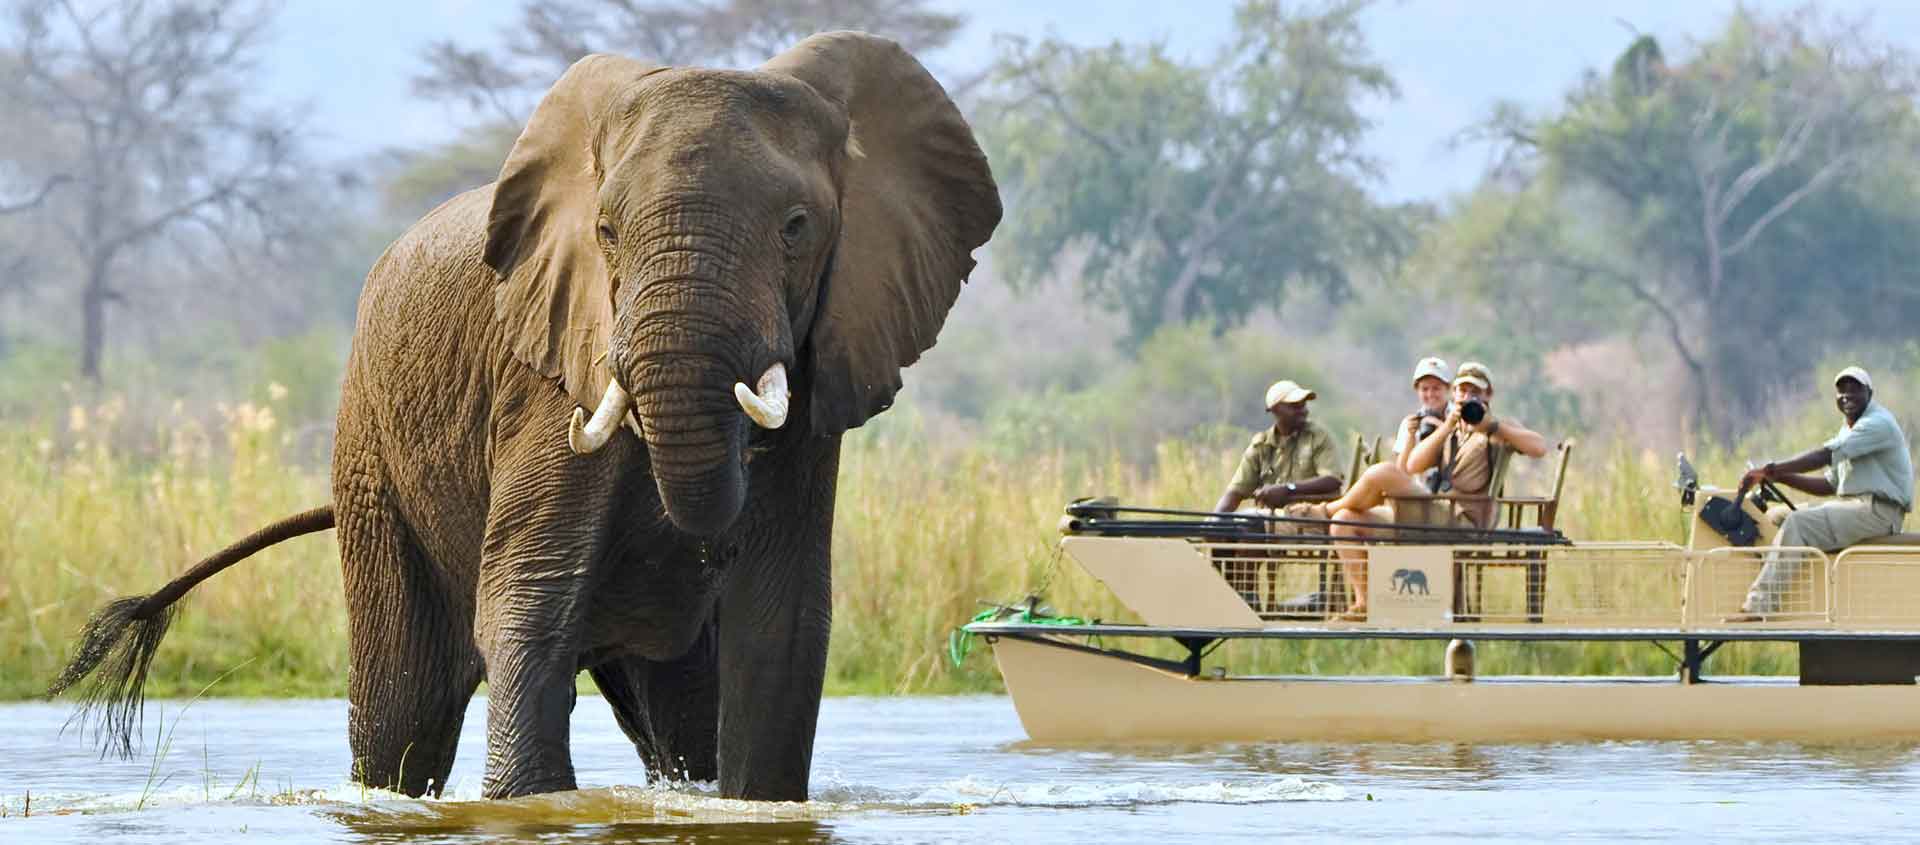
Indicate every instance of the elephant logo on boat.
{"type": "Point", "coordinates": [1409, 580]}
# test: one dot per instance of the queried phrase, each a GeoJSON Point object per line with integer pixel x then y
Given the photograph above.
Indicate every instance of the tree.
{"type": "Point", "coordinates": [552, 34]}
{"type": "Point", "coordinates": [500, 84]}
{"type": "Point", "coordinates": [160, 143]}
{"type": "Point", "coordinates": [1727, 196]}
{"type": "Point", "coordinates": [1193, 189]}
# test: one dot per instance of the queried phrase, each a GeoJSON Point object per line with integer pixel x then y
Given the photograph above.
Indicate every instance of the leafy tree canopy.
{"type": "Point", "coordinates": [1193, 189]}
{"type": "Point", "coordinates": [1755, 201]}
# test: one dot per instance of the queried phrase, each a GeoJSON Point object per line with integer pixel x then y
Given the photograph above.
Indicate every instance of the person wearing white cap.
{"type": "Point", "coordinates": [1869, 470]}
{"type": "Point", "coordinates": [1288, 462]}
{"type": "Point", "coordinates": [1430, 380]}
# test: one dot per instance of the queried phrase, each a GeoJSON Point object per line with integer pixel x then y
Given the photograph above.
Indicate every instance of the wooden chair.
{"type": "Point", "coordinates": [1513, 513]}
{"type": "Point", "coordinates": [1330, 582]}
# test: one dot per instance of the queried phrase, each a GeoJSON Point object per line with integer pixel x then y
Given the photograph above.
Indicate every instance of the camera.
{"type": "Point", "coordinates": [1429, 422]}
{"type": "Point", "coordinates": [1473, 411]}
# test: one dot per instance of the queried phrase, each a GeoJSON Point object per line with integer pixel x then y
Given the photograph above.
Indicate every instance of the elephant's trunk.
{"type": "Point", "coordinates": [695, 437]}
{"type": "Point", "coordinates": [699, 320]}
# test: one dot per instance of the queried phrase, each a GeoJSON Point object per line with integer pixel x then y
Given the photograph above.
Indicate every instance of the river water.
{"type": "Point", "coordinates": [941, 770]}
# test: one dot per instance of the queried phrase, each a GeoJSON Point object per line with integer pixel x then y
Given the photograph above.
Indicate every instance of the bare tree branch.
{"type": "Point", "coordinates": [46, 190]}
{"type": "Point", "coordinates": [165, 148]}
{"type": "Point", "coordinates": [550, 35]}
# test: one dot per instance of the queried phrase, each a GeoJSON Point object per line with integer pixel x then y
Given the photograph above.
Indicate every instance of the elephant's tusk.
{"type": "Point", "coordinates": [586, 435]}
{"type": "Point", "coordinates": [768, 405]}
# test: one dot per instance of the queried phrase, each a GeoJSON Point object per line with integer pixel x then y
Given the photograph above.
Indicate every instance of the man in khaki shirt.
{"type": "Point", "coordinates": [1291, 461]}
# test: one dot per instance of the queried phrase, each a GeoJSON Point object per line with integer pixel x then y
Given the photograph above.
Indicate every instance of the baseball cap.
{"type": "Point", "coordinates": [1286, 391]}
{"type": "Point", "coordinates": [1474, 372]}
{"type": "Point", "coordinates": [1857, 374]}
{"type": "Point", "coordinates": [1435, 367]}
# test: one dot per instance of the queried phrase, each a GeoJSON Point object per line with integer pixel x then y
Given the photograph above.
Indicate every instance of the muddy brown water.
{"type": "Point", "coordinates": [943, 770]}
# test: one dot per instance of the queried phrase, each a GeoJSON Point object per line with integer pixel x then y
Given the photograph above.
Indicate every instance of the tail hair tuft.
{"type": "Point", "coordinates": [109, 671]}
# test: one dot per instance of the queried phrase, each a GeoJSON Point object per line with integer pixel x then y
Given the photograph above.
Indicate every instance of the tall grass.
{"type": "Point", "coordinates": [88, 520]}
{"type": "Point", "coordinates": [927, 527]}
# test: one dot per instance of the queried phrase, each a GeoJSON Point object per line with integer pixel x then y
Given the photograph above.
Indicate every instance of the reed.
{"type": "Point", "coordinates": [89, 520]}
{"type": "Point", "coordinates": [928, 526]}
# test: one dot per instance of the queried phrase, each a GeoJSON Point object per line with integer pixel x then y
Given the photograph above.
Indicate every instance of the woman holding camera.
{"type": "Point", "coordinates": [1464, 449]}
{"type": "Point", "coordinates": [1430, 380]}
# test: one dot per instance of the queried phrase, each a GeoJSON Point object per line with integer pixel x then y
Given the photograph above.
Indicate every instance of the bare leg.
{"type": "Point", "coordinates": [1372, 488]}
{"type": "Point", "coordinates": [1353, 559]}
{"type": "Point", "coordinates": [1365, 502]}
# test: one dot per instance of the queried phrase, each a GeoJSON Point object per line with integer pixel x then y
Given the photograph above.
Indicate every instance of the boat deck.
{"type": "Point", "coordinates": [1536, 633]}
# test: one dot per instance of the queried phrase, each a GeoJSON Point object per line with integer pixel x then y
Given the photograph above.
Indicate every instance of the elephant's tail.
{"type": "Point", "coordinates": [118, 643]}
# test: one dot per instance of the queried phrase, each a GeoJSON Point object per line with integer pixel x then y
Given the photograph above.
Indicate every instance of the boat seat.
{"type": "Point", "coordinates": [1512, 513]}
{"type": "Point", "coordinates": [1909, 539]}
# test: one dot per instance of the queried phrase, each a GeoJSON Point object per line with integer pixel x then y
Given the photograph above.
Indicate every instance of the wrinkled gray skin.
{"type": "Point", "coordinates": [680, 230]}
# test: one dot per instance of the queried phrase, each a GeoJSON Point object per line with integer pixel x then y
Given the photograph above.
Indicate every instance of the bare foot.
{"type": "Point", "coordinates": [1356, 613]}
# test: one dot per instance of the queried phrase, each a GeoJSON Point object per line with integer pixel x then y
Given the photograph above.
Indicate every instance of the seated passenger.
{"type": "Point", "coordinates": [1465, 455]}
{"type": "Point", "coordinates": [1430, 380]}
{"type": "Point", "coordinates": [1868, 469]}
{"type": "Point", "coordinates": [1286, 464]}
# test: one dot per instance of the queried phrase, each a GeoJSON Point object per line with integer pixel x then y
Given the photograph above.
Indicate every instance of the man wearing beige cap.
{"type": "Point", "coordinates": [1868, 470]}
{"type": "Point", "coordinates": [1288, 462]}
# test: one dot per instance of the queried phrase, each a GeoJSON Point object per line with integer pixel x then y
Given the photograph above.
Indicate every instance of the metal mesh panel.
{"type": "Point", "coordinates": [1280, 581]}
{"type": "Point", "coordinates": [1782, 584]}
{"type": "Point", "coordinates": [1877, 587]}
{"type": "Point", "coordinates": [1623, 584]}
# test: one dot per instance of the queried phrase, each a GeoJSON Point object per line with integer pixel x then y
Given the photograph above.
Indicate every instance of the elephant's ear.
{"type": "Point", "coordinates": [554, 297]}
{"type": "Point", "coordinates": [918, 197]}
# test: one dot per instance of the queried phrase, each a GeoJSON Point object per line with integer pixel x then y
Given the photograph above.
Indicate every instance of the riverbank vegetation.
{"type": "Point", "coordinates": [103, 503]}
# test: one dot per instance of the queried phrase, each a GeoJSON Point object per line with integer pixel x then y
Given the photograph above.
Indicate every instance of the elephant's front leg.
{"type": "Point", "coordinates": [543, 539]}
{"type": "Point", "coordinates": [775, 614]}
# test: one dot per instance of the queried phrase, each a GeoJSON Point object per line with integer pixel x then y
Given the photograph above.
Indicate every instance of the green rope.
{"type": "Point", "coordinates": [1028, 611]}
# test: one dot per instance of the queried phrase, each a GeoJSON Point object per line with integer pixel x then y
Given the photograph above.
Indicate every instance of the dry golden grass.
{"type": "Point", "coordinates": [86, 523]}
{"type": "Point", "coordinates": [926, 529]}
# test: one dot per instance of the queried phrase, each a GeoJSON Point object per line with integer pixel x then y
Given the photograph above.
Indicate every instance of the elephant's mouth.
{"type": "Point", "coordinates": [767, 405]}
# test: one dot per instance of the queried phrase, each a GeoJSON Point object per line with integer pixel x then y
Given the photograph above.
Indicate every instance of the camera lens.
{"type": "Point", "coordinates": [1473, 411]}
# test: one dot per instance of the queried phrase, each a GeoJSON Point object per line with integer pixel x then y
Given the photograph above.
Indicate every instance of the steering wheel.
{"type": "Point", "coordinates": [1769, 490]}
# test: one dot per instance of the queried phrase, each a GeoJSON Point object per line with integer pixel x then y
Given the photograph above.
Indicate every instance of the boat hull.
{"type": "Point", "coordinates": [1064, 695]}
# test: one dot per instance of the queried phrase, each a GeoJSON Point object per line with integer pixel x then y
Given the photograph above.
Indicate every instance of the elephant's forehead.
{"type": "Point", "coordinates": [698, 98]}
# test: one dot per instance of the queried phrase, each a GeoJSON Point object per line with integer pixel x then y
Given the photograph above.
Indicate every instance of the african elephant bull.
{"type": "Point", "coordinates": [731, 268]}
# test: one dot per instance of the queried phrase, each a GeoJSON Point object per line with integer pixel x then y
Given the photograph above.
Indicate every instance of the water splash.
{"type": "Point", "coordinates": [666, 804]}
{"type": "Point", "coordinates": [971, 790]}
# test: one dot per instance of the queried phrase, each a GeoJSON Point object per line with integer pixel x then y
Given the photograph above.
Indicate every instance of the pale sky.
{"type": "Point", "coordinates": [350, 60]}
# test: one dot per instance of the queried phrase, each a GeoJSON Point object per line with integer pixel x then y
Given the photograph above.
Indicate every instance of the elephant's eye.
{"type": "Point", "coordinates": [607, 236]}
{"type": "Point", "coordinates": [796, 227]}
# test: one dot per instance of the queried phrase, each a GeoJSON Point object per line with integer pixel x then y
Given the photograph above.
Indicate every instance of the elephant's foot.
{"type": "Point", "coordinates": [516, 784]}
{"type": "Point", "coordinates": [759, 789]}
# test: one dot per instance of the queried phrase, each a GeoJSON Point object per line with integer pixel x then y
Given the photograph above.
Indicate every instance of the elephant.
{"type": "Point", "coordinates": [1409, 580]}
{"type": "Point", "coordinates": [730, 269]}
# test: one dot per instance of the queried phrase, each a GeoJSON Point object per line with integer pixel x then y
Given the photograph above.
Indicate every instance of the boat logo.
{"type": "Point", "coordinates": [1410, 580]}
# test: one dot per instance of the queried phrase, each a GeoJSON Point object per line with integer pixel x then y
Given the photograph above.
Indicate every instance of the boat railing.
{"type": "Point", "coordinates": [1588, 585]}
{"type": "Point", "coordinates": [1621, 584]}
{"type": "Point", "coordinates": [1876, 587]}
{"type": "Point", "coordinates": [1102, 517]}
{"type": "Point", "coordinates": [1798, 589]}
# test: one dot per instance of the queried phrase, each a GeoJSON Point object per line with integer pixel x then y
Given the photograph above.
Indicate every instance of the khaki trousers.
{"type": "Point", "coordinates": [1829, 526]}
{"type": "Point", "coordinates": [1297, 510]}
